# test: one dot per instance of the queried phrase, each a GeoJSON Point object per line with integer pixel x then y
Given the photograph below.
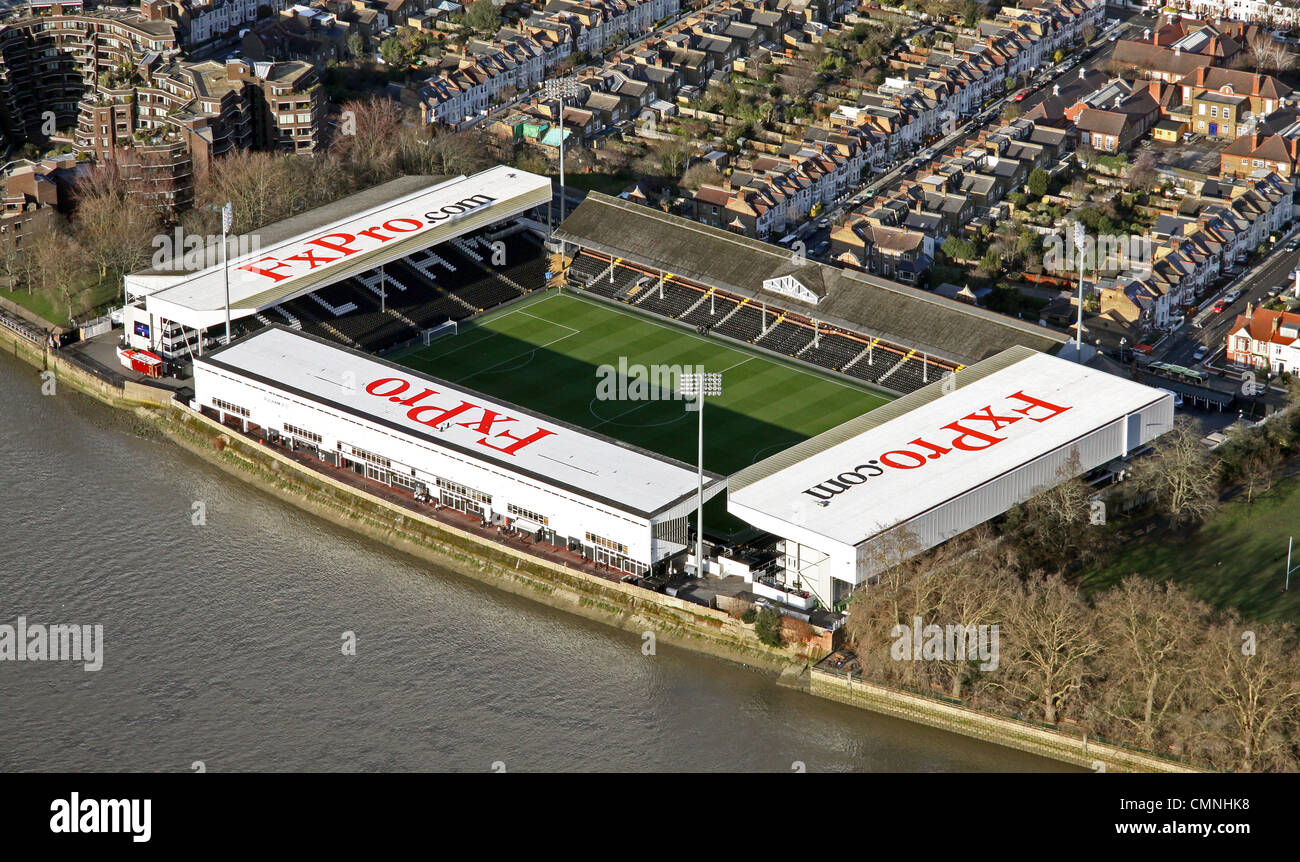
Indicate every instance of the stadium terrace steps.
{"type": "Point", "coordinates": [336, 310]}
{"type": "Point", "coordinates": [676, 299]}
{"type": "Point", "coordinates": [701, 297]}
{"type": "Point", "coordinates": [882, 378]}
{"type": "Point", "coordinates": [865, 351]}
{"type": "Point", "coordinates": [785, 337]}
{"type": "Point", "coordinates": [833, 350]}
{"type": "Point", "coordinates": [700, 314]}
{"type": "Point", "coordinates": [743, 323]}
{"type": "Point", "coordinates": [294, 322]}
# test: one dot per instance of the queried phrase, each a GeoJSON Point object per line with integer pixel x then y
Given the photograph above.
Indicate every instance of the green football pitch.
{"type": "Point", "coordinates": [544, 354]}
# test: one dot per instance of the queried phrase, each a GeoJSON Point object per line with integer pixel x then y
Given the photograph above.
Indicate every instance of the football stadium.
{"type": "Point", "coordinates": [435, 343]}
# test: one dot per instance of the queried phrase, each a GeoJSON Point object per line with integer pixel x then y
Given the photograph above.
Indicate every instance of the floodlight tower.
{"type": "Point", "coordinates": [1079, 244]}
{"type": "Point", "coordinates": [561, 90]}
{"type": "Point", "coordinates": [697, 385]}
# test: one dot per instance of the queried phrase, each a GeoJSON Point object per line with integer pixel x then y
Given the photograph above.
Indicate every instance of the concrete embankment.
{"type": "Point", "coordinates": [673, 620]}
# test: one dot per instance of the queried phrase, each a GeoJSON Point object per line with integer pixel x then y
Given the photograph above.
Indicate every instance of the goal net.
{"type": "Point", "coordinates": [448, 328]}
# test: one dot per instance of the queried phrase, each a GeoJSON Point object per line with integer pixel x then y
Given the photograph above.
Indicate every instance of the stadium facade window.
{"type": "Point", "coordinates": [302, 433]}
{"type": "Point", "coordinates": [371, 457]}
{"type": "Point", "coordinates": [607, 544]}
{"type": "Point", "coordinates": [463, 491]}
{"type": "Point", "coordinates": [221, 404]}
{"type": "Point", "coordinates": [520, 512]}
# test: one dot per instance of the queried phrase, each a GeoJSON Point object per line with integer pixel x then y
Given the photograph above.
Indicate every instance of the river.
{"type": "Point", "coordinates": [223, 641]}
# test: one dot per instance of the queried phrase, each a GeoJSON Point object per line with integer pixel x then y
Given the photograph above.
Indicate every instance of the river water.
{"type": "Point", "coordinates": [223, 641]}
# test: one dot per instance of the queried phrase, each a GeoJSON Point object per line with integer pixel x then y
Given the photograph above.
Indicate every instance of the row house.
{"type": "Point", "coordinates": [200, 21]}
{"type": "Point", "coordinates": [1264, 339]}
{"type": "Point", "coordinates": [927, 89]}
{"type": "Point", "coordinates": [1272, 13]}
{"type": "Point", "coordinates": [1213, 232]}
{"type": "Point", "coordinates": [898, 253]}
{"type": "Point", "coordinates": [518, 60]}
{"type": "Point", "coordinates": [778, 192]}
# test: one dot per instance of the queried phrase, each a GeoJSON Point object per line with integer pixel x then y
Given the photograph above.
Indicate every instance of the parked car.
{"type": "Point", "coordinates": [1020, 96]}
{"type": "Point", "coordinates": [1293, 245]}
{"type": "Point", "coordinates": [823, 223]}
{"type": "Point", "coordinates": [1178, 399]}
{"type": "Point", "coordinates": [821, 248]}
{"type": "Point", "coordinates": [1201, 353]}
{"type": "Point", "coordinates": [1219, 306]}
{"type": "Point", "coordinates": [908, 168]}
{"type": "Point", "coordinates": [1231, 297]}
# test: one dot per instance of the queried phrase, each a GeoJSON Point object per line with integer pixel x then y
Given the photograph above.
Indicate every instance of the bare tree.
{"type": "Point", "coordinates": [1048, 644]}
{"type": "Point", "coordinates": [115, 230]}
{"type": "Point", "coordinates": [1251, 678]}
{"type": "Point", "coordinates": [1141, 175]}
{"type": "Point", "coordinates": [703, 173]}
{"type": "Point", "coordinates": [1180, 474]}
{"type": "Point", "coordinates": [1269, 56]}
{"type": "Point", "coordinates": [1148, 632]}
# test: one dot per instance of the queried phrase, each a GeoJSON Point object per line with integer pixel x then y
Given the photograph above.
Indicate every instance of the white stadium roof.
{"type": "Point", "coordinates": [907, 458]}
{"type": "Point", "coordinates": [460, 419]}
{"type": "Point", "coordinates": [355, 243]}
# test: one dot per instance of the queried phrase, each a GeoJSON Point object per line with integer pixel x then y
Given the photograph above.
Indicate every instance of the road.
{"type": "Point", "coordinates": [1254, 285]}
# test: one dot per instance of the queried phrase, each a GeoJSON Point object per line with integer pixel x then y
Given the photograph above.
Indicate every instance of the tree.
{"type": "Point", "coordinates": [482, 17]}
{"type": "Point", "coordinates": [1141, 175]}
{"type": "Point", "coordinates": [1038, 182]}
{"type": "Point", "coordinates": [767, 625]}
{"type": "Point", "coordinates": [1057, 523]}
{"type": "Point", "coordinates": [356, 44]}
{"type": "Point", "coordinates": [115, 231]}
{"type": "Point", "coordinates": [955, 248]}
{"type": "Point", "coordinates": [1180, 474]}
{"type": "Point", "coordinates": [1050, 640]}
{"type": "Point", "coordinates": [702, 173]}
{"type": "Point", "coordinates": [1149, 634]}
{"type": "Point", "coordinates": [1269, 56]}
{"type": "Point", "coordinates": [1251, 678]}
